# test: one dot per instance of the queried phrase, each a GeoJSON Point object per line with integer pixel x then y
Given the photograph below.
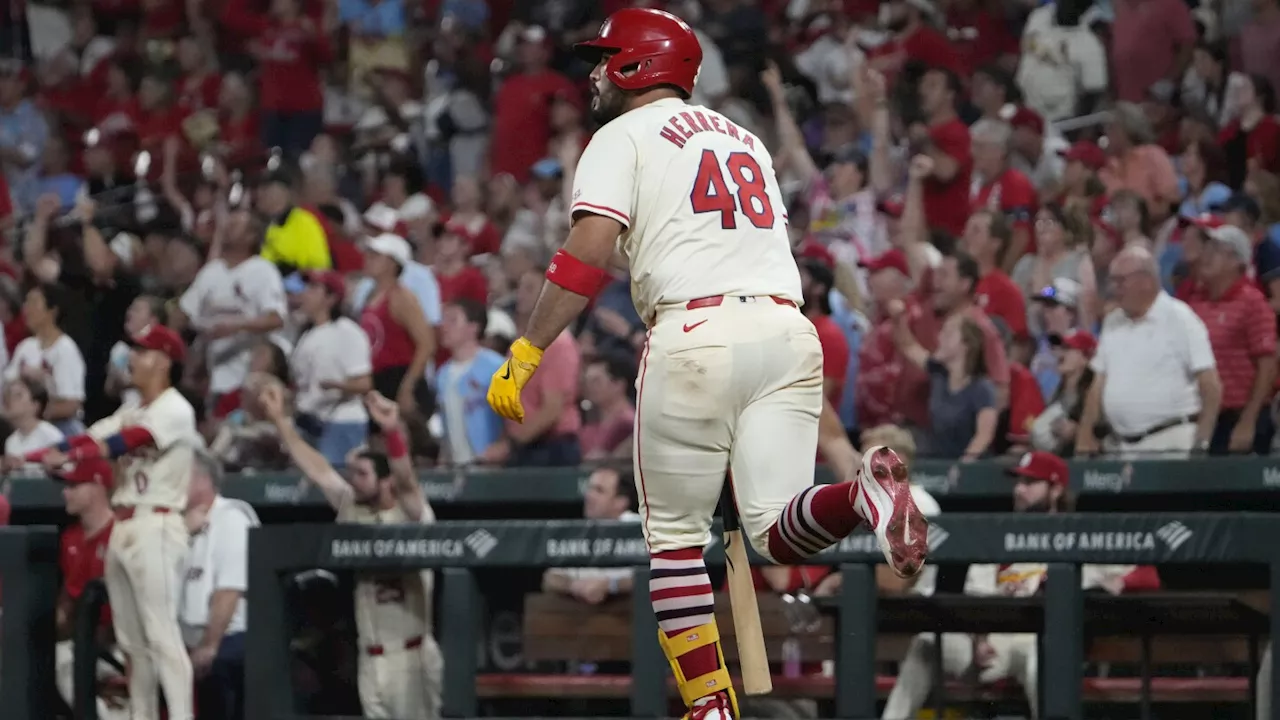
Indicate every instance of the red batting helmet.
{"type": "Point", "coordinates": [655, 47]}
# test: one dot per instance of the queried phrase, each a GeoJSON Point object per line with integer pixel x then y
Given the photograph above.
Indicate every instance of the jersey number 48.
{"type": "Point", "coordinates": [711, 193]}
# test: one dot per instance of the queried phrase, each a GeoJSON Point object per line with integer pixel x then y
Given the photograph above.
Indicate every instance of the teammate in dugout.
{"type": "Point", "coordinates": [400, 668]}
{"type": "Point", "coordinates": [732, 371]}
{"type": "Point", "coordinates": [154, 442]}
{"type": "Point", "coordinates": [82, 559]}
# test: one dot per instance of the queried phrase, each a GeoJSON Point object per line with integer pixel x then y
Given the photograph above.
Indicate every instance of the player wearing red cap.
{"type": "Point", "coordinates": [732, 371]}
{"type": "Point", "coordinates": [148, 544]}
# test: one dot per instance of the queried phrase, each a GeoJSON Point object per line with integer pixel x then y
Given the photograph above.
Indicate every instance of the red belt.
{"type": "Point", "coordinates": [411, 643]}
{"type": "Point", "coordinates": [717, 300]}
{"type": "Point", "coordinates": [127, 512]}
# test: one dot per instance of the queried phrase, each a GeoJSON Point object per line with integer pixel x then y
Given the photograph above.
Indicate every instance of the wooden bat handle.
{"type": "Point", "coordinates": [752, 657]}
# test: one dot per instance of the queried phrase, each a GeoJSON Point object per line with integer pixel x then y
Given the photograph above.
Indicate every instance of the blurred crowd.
{"type": "Point", "coordinates": [1020, 225]}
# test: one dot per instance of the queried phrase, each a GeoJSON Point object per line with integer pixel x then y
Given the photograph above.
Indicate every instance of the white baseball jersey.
{"type": "Point", "coordinates": [700, 202]}
{"type": "Point", "coordinates": [251, 289]}
{"type": "Point", "coordinates": [155, 476]}
{"type": "Point", "coordinates": [391, 607]}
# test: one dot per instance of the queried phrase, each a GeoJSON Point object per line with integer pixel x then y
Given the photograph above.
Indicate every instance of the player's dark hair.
{"type": "Point", "coordinates": [381, 464]}
{"type": "Point", "coordinates": [967, 269]}
{"type": "Point", "coordinates": [475, 313]}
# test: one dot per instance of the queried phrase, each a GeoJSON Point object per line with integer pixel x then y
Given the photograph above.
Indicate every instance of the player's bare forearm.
{"type": "Point", "coordinates": [311, 462]}
{"type": "Point", "coordinates": [556, 308]}
{"type": "Point", "coordinates": [591, 241]}
{"type": "Point", "coordinates": [221, 607]}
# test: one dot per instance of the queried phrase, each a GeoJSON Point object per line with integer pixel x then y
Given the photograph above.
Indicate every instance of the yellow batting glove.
{"type": "Point", "coordinates": [505, 387]}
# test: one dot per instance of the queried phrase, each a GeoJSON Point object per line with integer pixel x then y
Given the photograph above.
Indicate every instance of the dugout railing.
{"type": "Point", "coordinates": [1064, 542]}
{"type": "Point", "coordinates": [29, 574]}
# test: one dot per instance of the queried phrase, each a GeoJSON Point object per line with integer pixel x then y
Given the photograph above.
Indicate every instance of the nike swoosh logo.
{"type": "Point", "coordinates": [690, 328]}
{"type": "Point", "coordinates": [507, 375]}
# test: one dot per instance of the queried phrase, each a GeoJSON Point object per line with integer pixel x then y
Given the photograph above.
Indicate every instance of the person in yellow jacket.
{"type": "Point", "coordinates": [295, 238]}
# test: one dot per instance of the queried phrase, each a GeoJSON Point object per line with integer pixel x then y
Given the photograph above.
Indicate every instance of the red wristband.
{"type": "Point", "coordinates": [396, 446]}
{"type": "Point", "coordinates": [576, 276]}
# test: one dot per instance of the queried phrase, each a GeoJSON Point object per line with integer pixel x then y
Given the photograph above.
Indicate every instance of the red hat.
{"type": "Point", "coordinates": [162, 339]}
{"type": "Point", "coordinates": [660, 44]}
{"type": "Point", "coordinates": [815, 250]}
{"type": "Point", "coordinates": [1081, 340]}
{"type": "Point", "coordinates": [93, 470]}
{"type": "Point", "coordinates": [1025, 117]}
{"type": "Point", "coordinates": [332, 281]}
{"type": "Point", "coordinates": [892, 259]}
{"type": "Point", "coordinates": [892, 206]}
{"type": "Point", "coordinates": [1086, 152]}
{"type": "Point", "coordinates": [1204, 221]}
{"type": "Point", "coordinates": [1039, 465]}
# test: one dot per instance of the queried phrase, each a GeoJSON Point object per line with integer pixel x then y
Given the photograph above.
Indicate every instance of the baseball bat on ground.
{"type": "Point", "coordinates": [752, 657]}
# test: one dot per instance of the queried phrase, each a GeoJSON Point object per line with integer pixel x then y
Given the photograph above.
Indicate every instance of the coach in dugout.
{"type": "Point", "coordinates": [83, 547]}
{"type": "Point", "coordinates": [211, 608]}
{"type": "Point", "coordinates": [1041, 486]}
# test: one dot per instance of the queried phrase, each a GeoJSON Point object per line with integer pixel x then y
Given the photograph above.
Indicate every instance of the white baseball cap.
{"type": "Point", "coordinates": [1234, 239]}
{"type": "Point", "coordinates": [392, 246]}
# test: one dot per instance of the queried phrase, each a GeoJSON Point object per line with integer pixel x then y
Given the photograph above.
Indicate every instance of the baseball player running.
{"type": "Point", "coordinates": [400, 667]}
{"type": "Point", "coordinates": [732, 371]}
{"type": "Point", "coordinates": [154, 440]}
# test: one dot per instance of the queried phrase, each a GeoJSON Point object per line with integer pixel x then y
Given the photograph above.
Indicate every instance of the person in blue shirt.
{"type": "Point", "coordinates": [23, 133]}
{"type": "Point", "coordinates": [471, 429]}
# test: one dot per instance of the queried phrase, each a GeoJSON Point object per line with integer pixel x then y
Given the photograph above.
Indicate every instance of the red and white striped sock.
{"type": "Point", "coordinates": [680, 591]}
{"type": "Point", "coordinates": [815, 519]}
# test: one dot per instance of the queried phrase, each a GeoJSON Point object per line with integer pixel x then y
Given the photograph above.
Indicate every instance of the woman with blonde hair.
{"type": "Point", "coordinates": [1063, 239]}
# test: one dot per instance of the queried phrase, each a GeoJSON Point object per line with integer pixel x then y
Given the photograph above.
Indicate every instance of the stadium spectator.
{"type": "Point", "coordinates": [1151, 40]}
{"type": "Point", "coordinates": [1056, 308]}
{"type": "Point", "coordinates": [25, 400]}
{"type": "Point", "coordinates": [522, 107]}
{"type": "Point", "coordinates": [51, 357]}
{"type": "Point", "coordinates": [987, 237]}
{"type": "Point", "coordinates": [1154, 372]}
{"type": "Point", "coordinates": [331, 368]}
{"type": "Point", "coordinates": [1235, 312]}
{"type": "Point", "coordinates": [1061, 253]}
{"type": "Point", "coordinates": [23, 133]}
{"type": "Point", "coordinates": [143, 311]}
{"type": "Point", "coordinates": [881, 390]}
{"type": "Point", "coordinates": [946, 140]}
{"type": "Point", "coordinates": [295, 238]}
{"type": "Point", "coordinates": [1252, 139]}
{"type": "Point", "coordinates": [211, 609]}
{"type": "Point", "coordinates": [962, 400]}
{"type": "Point", "coordinates": [1002, 189]}
{"type": "Point", "coordinates": [401, 340]}
{"type": "Point", "coordinates": [607, 385]}
{"type": "Point", "coordinates": [1137, 163]}
{"type": "Point", "coordinates": [954, 293]}
{"type": "Point", "coordinates": [549, 434]}
{"type": "Point", "coordinates": [1037, 151]}
{"type": "Point", "coordinates": [1054, 430]}
{"type": "Point", "coordinates": [236, 300]}
{"type": "Point", "coordinates": [472, 431]}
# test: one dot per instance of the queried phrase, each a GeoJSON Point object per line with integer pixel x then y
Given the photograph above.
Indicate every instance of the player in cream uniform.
{"type": "Point", "coordinates": [154, 442]}
{"type": "Point", "coordinates": [732, 370]}
{"type": "Point", "coordinates": [400, 666]}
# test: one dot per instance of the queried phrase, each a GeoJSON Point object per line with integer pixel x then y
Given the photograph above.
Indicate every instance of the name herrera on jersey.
{"type": "Point", "coordinates": [687, 123]}
{"type": "Point", "coordinates": [414, 548]}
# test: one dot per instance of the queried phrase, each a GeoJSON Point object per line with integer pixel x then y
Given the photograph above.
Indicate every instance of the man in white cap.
{"type": "Point", "coordinates": [1243, 338]}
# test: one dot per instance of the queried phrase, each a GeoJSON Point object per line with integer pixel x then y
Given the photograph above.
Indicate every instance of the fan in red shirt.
{"type": "Point", "coordinates": [115, 110]}
{"type": "Point", "coordinates": [199, 85]}
{"type": "Point", "coordinates": [239, 137]}
{"type": "Point", "coordinates": [470, 220]}
{"type": "Point", "coordinates": [914, 40]}
{"type": "Point", "coordinates": [980, 33]}
{"type": "Point", "coordinates": [1253, 139]}
{"type": "Point", "coordinates": [292, 51]}
{"type": "Point", "coordinates": [986, 237]}
{"type": "Point", "coordinates": [522, 109]}
{"type": "Point", "coordinates": [157, 116]}
{"type": "Point", "coordinates": [816, 281]}
{"type": "Point", "coordinates": [457, 277]}
{"type": "Point", "coordinates": [946, 141]}
{"type": "Point", "coordinates": [1003, 189]}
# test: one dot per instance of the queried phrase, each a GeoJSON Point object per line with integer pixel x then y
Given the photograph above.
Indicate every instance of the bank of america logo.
{"type": "Point", "coordinates": [481, 542]}
{"type": "Point", "coordinates": [1174, 534]}
{"type": "Point", "coordinates": [937, 536]}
